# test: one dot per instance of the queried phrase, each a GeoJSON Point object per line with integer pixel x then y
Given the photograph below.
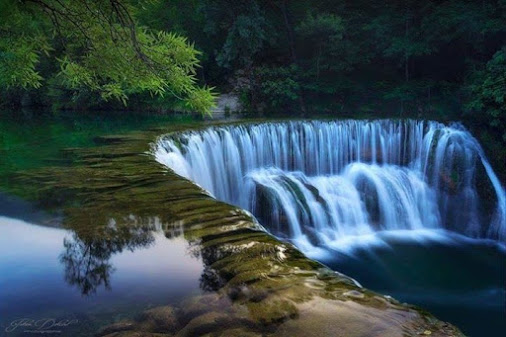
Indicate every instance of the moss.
{"type": "Point", "coordinates": [272, 311]}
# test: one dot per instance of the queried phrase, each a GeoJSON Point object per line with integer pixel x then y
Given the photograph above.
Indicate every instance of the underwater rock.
{"type": "Point", "coordinates": [116, 327]}
{"type": "Point", "coordinates": [210, 322]}
{"type": "Point", "coordinates": [322, 317]}
{"type": "Point", "coordinates": [160, 319]}
{"type": "Point", "coordinates": [136, 334]}
{"type": "Point", "coordinates": [238, 332]}
{"type": "Point", "coordinates": [156, 320]}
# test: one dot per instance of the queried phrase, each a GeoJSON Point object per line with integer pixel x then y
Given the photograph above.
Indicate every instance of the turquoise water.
{"type": "Point", "coordinates": [30, 141]}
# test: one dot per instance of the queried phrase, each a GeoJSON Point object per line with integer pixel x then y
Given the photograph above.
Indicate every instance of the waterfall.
{"type": "Point", "coordinates": [316, 182]}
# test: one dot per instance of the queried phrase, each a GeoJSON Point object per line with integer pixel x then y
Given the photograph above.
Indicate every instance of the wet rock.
{"type": "Point", "coordinates": [354, 294]}
{"type": "Point", "coordinates": [239, 332]}
{"type": "Point", "coordinates": [116, 327]}
{"type": "Point", "coordinates": [210, 322]}
{"type": "Point", "coordinates": [245, 293]}
{"type": "Point", "coordinates": [160, 319]}
{"type": "Point", "coordinates": [320, 317]}
{"type": "Point", "coordinates": [136, 334]}
{"type": "Point", "coordinates": [272, 311]}
{"type": "Point", "coordinates": [199, 305]}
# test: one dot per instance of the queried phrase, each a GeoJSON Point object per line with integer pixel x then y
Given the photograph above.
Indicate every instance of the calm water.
{"type": "Point", "coordinates": [51, 272]}
{"type": "Point", "coordinates": [29, 141]}
{"type": "Point", "coordinates": [48, 272]}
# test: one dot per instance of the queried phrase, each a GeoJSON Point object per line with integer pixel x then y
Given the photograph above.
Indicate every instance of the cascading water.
{"type": "Point", "coordinates": [319, 182]}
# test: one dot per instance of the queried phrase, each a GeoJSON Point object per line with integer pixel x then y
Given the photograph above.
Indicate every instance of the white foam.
{"type": "Point", "coordinates": [369, 176]}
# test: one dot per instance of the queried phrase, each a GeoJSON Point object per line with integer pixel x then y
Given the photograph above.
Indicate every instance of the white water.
{"type": "Point", "coordinates": [319, 183]}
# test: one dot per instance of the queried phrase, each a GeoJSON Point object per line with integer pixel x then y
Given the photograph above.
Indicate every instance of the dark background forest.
{"type": "Point", "coordinates": [443, 60]}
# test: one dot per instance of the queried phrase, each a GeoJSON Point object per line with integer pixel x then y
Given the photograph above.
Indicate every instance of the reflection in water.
{"type": "Point", "coordinates": [209, 279]}
{"type": "Point", "coordinates": [87, 264]}
{"type": "Point", "coordinates": [137, 266]}
{"type": "Point", "coordinates": [86, 256]}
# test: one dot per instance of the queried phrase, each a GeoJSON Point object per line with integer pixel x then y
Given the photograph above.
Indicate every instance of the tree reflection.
{"type": "Point", "coordinates": [86, 264]}
{"type": "Point", "coordinates": [86, 255]}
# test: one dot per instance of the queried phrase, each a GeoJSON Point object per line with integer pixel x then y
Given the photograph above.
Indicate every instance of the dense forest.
{"type": "Point", "coordinates": [426, 59]}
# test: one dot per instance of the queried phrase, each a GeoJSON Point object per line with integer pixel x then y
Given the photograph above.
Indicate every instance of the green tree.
{"type": "Point", "coordinates": [96, 46]}
{"type": "Point", "coordinates": [240, 28]}
{"type": "Point", "coordinates": [488, 92]}
{"type": "Point", "coordinates": [322, 34]}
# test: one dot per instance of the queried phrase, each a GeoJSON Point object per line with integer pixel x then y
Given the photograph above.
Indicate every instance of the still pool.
{"type": "Point", "coordinates": [460, 280]}
{"type": "Point", "coordinates": [50, 273]}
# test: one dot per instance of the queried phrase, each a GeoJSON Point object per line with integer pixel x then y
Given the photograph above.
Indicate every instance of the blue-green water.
{"type": "Point", "coordinates": [29, 141]}
{"type": "Point", "coordinates": [459, 280]}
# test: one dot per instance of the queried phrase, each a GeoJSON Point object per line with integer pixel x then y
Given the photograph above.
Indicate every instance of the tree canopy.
{"type": "Point", "coordinates": [406, 58]}
{"type": "Point", "coordinates": [98, 47]}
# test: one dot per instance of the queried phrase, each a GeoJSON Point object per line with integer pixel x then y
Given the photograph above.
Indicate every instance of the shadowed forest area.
{"type": "Point", "coordinates": [444, 60]}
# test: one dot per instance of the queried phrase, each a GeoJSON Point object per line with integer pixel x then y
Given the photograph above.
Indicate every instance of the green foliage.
{"type": "Point", "coordinates": [99, 48]}
{"type": "Point", "coordinates": [241, 28]}
{"type": "Point", "coordinates": [278, 87]}
{"type": "Point", "coordinates": [322, 35]}
{"type": "Point", "coordinates": [304, 57]}
{"type": "Point", "coordinates": [488, 92]}
{"type": "Point", "coordinates": [245, 38]}
{"type": "Point", "coordinates": [199, 100]}
{"type": "Point", "coordinates": [323, 27]}
{"type": "Point", "coordinates": [21, 46]}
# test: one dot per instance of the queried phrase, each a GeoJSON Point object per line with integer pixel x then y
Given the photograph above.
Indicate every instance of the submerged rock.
{"type": "Point", "coordinates": [116, 328]}
{"type": "Point", "coordinates": [160, 319]}
{"type": "Point", "coordinates": [136, 334]}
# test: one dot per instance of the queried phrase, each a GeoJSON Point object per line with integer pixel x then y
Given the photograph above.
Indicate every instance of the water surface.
{"type": "Point", "coordinates": [458, 279]}
{"type": "Point", "coordinates": [49, 272]}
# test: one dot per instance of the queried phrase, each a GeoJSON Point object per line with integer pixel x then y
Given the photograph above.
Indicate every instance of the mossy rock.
{"type": "Point", "coordinates": [212, 322]}
{"type": "Point", "coordinates": [272, 311]}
